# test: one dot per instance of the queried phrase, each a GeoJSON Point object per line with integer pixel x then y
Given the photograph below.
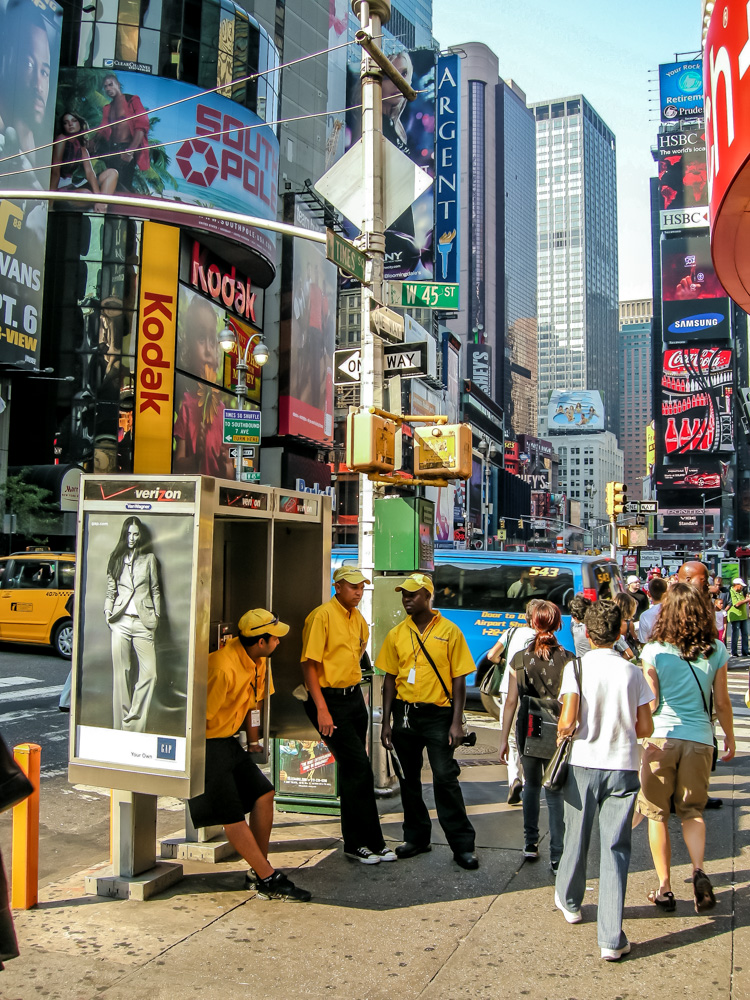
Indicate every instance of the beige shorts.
{"type": "Point", "coordinates": [679, 768]}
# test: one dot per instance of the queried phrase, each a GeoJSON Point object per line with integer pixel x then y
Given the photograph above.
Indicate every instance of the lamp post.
{"type": "Point", "coordinates": [229, 343]}
{"type": "Point", "coordinates": [706, 500]}
{"type": "Point", "coordinates": [487, 450]}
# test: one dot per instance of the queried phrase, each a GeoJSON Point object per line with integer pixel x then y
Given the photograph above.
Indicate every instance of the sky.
{"type": "Point", "coordinates": [607, 50]}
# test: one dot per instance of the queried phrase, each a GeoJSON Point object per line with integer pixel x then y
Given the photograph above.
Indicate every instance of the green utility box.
{"type": "Point", "coordinates": [404, 535]}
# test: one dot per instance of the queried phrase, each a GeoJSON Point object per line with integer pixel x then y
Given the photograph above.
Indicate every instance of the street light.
{"type": "Point", "coordinates": [706, 500]}
{"type": "Point", "coordinates": [488, 451]}
{"type": "Point", "coordinates": [229, 344]}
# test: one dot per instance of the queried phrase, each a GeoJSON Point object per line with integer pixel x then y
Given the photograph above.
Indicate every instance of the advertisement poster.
{"type": "Point", "coordinates": [690, 320]}
{"type": "Point", "coordinates": [692, 476]}
{"type": "Point", "coordinates": [573, 408]}
{"type": "Point", "coordinates": [688, 521]}
{"type": "Point", "coordinates": [696, 400]}
{"type": "Point", "coordinates": [135, 608]}
{"type": "Point", "coordinates": [306, 767]}
{"type": "Point", "coordinates": [681, 90]}
{"type": "Point", "coordinates": [204, 150]}
{"type": "Point", "coordinates": [28, 81]}
{"type": "Point", "coordinates": [447, 168]}
{"type": "Point", "coordinates": [410, 126]}
{"type": "Point", "coordinates": [308, 339]}
{"type": "Point", "coordinates": [683, 180]}
{"type": "Point", "coordinates": [687, 271]}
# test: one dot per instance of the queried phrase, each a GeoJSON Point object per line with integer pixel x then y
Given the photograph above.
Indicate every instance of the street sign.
{"type": "Point", "coordinates": [423, 294]}
{"type": "Point", "coordinates": [241, 427]}
{"type": "Point", "coordinates": [248, 451]}
{"type": "Point", "coordinates": [649, 507]}
{"type": "Point", "coordinates": [346, 366]}
{"type": "Point", "coordinates": [405, 359]}
{"type": "Point", "coordinates": [632, 507]}
{"type": "Point", "coordinates": [345, 255]}
{"type": "Point", "coordinates": [640, 519]}
{"type": "Point", "coordinates": [251, 477]}
{"type": "Point", "coordinates": [387, 324]}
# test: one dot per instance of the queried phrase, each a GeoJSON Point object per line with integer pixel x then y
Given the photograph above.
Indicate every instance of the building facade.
{"type": "Point", "coordinates": [636, 391]}
{"type": "Point", "coordinates": [577, 253]}
{"type": "Point", "coordinates": [587, 463]}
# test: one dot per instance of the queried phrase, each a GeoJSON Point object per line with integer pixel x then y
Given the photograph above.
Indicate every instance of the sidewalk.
{"type": "Point", "coordinates": [414, 929]}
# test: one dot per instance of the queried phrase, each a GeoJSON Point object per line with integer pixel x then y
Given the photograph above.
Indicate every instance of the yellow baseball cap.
{"type": "Point", "coordinates": [261, 622]}
{"type": "Point", "coordinates": [417, 581]}
{"type": "Point", "coordinates": [349, 574]}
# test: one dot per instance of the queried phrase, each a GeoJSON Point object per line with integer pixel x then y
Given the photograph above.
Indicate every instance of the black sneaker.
{"type": "Point", "coordinates": [278, 886]}
{"type": "Point", "coordinates": [251, 879]}
{"type": "Point", "coordinates": [364, 855]}
{"type": "Point", "coordinates": [554, 866]}
{"type": "Point", "coordinates": [531, 852]}
{"type": "Point", "coordinates": [515, 792]}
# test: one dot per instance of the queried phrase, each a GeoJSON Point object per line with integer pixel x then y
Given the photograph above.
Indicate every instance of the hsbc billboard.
{"type": "Point", "coordinates": [190, 147]}
{"type": "Point", "coordinates": [726, 85]}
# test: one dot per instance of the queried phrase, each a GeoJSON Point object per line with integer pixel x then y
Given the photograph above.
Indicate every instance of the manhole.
{"type": "Point", "coordinates": [478, 750]}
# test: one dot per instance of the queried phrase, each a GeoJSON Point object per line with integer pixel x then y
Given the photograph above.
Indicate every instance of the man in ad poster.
{"type": "Point", "coordinates": [28, 76]}
{"type": "Point", "coordinates": [135, 607]}
{"type": "Point", "coordinates": [123, 131]}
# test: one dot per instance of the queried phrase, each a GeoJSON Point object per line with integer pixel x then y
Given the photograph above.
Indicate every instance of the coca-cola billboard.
{"type": "Point", "coordinates": [726, 85]}
{"type": "Point", "coordinates": [697, 385]}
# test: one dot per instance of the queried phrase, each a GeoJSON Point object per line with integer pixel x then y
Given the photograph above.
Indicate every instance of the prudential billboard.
{"type": "Point", "coordinates": [681, 90]}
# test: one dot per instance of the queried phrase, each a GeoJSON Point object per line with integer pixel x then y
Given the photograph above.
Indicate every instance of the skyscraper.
{"type": "Point", "coordinates": [577, 253]}
{"type": "Point", "coordinates": [635, 387]}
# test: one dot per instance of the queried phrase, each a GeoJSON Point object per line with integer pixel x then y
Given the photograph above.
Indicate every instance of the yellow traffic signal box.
{"type": "Point", "coordinates": [442, 451]}
{"type": "Point", "coordinates": [619, 497]}
{"type": "Point", "coordinates": [370, 443]}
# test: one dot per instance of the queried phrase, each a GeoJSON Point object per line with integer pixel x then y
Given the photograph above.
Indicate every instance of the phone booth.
{"type": "Point", "coordinates": [166, 567]}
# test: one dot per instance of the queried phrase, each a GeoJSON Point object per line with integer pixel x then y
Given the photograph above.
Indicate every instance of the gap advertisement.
{"type": "Point", "coordinates": [696, 400]}
{"type": "Point", "coordinates": [166, 140]}
{"type": "Point", "coordinates": [28, 81]}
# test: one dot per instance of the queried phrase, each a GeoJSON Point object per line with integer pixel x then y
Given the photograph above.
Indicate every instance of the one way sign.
{"type": "Point", "coordinates": [346, 367]}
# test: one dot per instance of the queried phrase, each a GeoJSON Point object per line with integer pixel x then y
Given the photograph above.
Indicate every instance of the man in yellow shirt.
{"type": "Point", "coordinates": [238, 681]}
{"type": "Point", "coordinates": [427, 704]}
{"type": "Point", "coordinates": [333, 641]}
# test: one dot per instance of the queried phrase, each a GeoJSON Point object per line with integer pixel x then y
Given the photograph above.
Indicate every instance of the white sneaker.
{"type": "Point", "coordinates": [387, 854]}
{"type": "Point", "coordinates": [571, 916]}
{"type": "Point", "coordinates": [614, 954]}
{"type": "Point", "coordinates": [364, 855]}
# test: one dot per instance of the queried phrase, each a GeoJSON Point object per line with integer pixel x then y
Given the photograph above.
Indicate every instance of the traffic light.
{"type": "Point", "coordinates": [617, 497]}
{"type": "Point", "coordinates": [370, 443]}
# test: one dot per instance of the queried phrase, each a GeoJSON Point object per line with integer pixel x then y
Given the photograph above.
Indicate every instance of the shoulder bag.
{"type": "Point", "coordinates": [556, 772]}
{"type": "Point", "coordinates": [538, 719]}
{"type": "Point", "coordinates": [14, 785]}
{"type": "Point", "coordinates": [494, 677]}
{"type": "Point", "coordinates": [469, 738]}
{"type": "Point", "coordinates": [708, 712]}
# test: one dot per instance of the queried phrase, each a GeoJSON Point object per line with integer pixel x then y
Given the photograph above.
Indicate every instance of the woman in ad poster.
{"type": "Point", "coordinates": [131, 610]}
{"type": "Point", "coordinates": [71, 161]}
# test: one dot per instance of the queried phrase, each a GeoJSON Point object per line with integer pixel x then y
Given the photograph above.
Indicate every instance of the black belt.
{"type": "Point", "coordinates": [340, 691]}
{"type": "Point", "coordinates": [423, 704]}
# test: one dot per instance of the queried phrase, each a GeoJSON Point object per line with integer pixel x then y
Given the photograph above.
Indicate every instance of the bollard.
{"type": "Point", "coordinates": [25, 869]}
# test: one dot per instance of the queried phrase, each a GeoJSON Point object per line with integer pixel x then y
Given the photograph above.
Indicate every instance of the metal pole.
{"type": "Point", "coordinates": [703, 498]}
{"type": "Point", "coordinates": [241, 393]}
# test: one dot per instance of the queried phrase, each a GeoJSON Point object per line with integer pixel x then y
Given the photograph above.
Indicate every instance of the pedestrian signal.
{"type": "Point", "coordinates": [370, 443]}
{"type": "Point", "coordinates": [442, 451]}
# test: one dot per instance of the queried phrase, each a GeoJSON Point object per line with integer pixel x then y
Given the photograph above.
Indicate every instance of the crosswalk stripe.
{"type": "Point", "coordinates": [29, 693]}
{"type": "Point", "coordinates": [15, 681]}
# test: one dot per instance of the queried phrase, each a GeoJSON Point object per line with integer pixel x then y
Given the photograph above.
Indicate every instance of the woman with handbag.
{"type": "Point", "coordinates": [607, 707]}
{"type": "Point", "coordinates": [534, 686]}
{"type": "Point", "coordinates": [686, 668]}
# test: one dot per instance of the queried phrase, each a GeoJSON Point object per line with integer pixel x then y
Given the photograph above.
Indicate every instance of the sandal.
{"type": "Point", "coordinates": [703, 891]}
{"type": "Point", "coordinates": [665, 902]}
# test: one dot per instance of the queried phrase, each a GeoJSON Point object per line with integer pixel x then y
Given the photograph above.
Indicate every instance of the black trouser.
{"type": "Point", "coordinates": [427, 727]}
{"type": "Point", "coordinates": [360, 823]}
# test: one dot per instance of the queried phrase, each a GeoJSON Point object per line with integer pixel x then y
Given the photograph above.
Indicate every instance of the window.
{"type": "Point", "coordinates": [487, 587]}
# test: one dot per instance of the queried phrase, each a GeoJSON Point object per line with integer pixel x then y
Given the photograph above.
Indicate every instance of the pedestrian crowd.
{"type": "Point", "coordinates": [633, 705]}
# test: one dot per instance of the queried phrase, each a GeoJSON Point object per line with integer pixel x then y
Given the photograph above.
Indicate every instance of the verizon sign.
{"type": "Point", "coordinates": [726, 83]}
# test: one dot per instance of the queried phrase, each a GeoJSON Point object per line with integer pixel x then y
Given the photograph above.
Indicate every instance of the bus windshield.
{"type": "Point", "coordinates": [501, 588]}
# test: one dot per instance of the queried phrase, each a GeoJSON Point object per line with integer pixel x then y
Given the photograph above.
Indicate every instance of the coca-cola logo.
{"type": "Point", "coordinates": [694, 359]}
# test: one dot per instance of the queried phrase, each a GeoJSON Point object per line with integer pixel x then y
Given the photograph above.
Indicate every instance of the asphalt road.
{"type": "Point", "coordinates": [73, 819]}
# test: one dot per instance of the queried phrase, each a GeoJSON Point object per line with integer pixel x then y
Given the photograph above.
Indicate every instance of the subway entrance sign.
{"type": "Point", "coordinates": [241, 427]}
{"type": "Point", "coordinates": [423, 294]}
{"type": "Point", "coordinates": [345, 255]}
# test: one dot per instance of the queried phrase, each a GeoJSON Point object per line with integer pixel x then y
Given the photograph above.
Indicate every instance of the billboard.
{"type": "Point", "coordinates": [696, 400]}
{"type": "Point", "coordinates": [410, 126]}
{"type": "Point", "coordinates": [692, 476]}
{"type": "Point", "coordinates": [191, 147]}
{"type": "Point", "coordinates": [570, 409]}
{"type": "Point", "coordinates": [687, 271]}
{"type": "Point", "coordinates": [307, 337]}
{"type": "Point", "coordinates": [681, 90]}
{"type": "Point", "coordinates": [479, 366]}
{"type": "Point", "coordinates": [683, 180]}
{"type": "Point", "coordinates": [447, 168]}
{"type": "Point", "coordinates": [688, 521]}
{"type": "Point", "coordinates": [691, 320]}
{"type": "Point", "coordinates": [28, 80]}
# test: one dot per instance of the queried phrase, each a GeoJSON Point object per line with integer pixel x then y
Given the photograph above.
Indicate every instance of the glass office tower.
{"type": "Point", "coordinates": [577, 254]}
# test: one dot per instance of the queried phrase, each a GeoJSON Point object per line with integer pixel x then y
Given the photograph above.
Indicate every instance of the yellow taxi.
{"type": "Point", "coordinates": [36, 590]}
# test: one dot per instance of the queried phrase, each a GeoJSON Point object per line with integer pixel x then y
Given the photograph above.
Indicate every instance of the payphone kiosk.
{"type": "Point", "coordinates": [166, 566]}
